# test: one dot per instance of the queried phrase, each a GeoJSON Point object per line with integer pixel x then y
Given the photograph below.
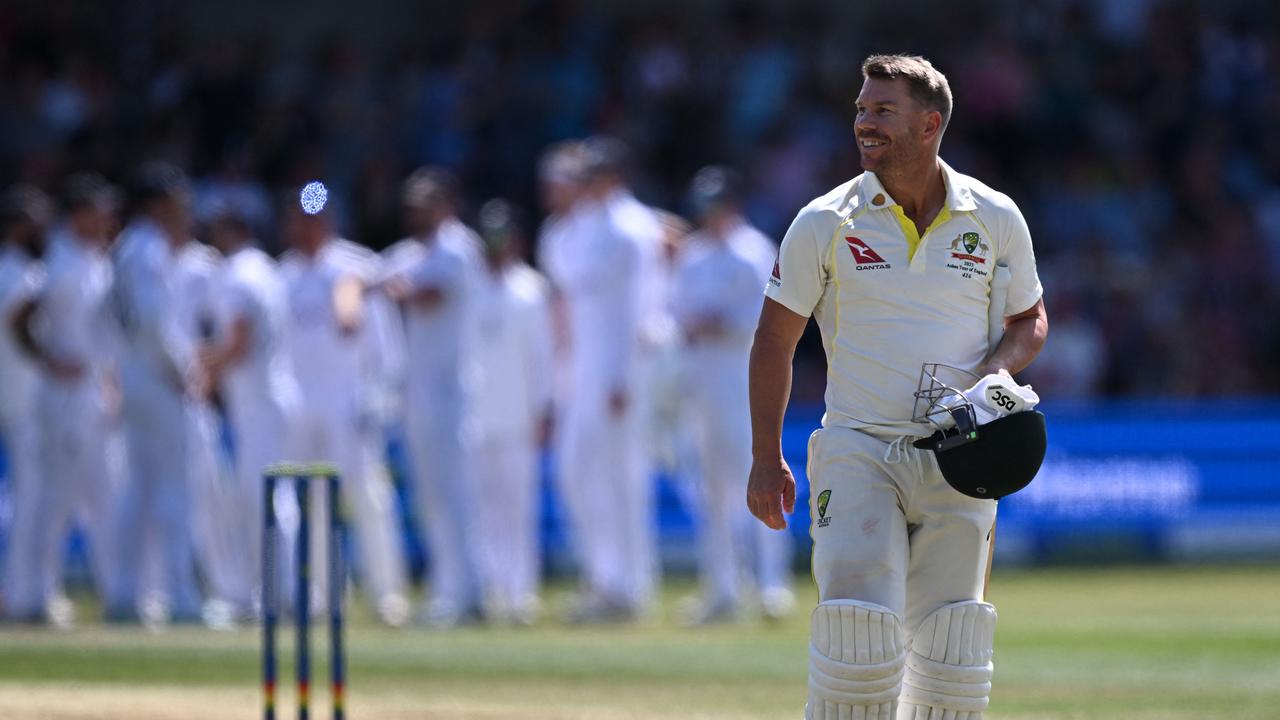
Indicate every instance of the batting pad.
{"type": "Point", "coordinates": [949, 666]}
{"type": "Point", "coordinates": [856, 657]}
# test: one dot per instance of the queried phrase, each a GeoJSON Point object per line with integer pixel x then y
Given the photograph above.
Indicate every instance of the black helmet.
{"type": "Point", "coordinates": [986, 461]}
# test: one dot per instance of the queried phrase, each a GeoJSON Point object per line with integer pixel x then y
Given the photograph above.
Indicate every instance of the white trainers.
{"type": "Point", "coordinates": [777, 603]}
{"type": "Point", "coordinates": [697, 610]}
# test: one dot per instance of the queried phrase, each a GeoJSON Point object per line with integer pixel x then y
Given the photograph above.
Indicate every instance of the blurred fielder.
{"type": "Point", "coordinates": [250, 364]}
{"type": "Point", "coordinates": [25, 213]}
{"type": "Point", "coordinates": [717, 299]}
{"type": "Point", "coordinates": [339, 341]}
{"type": "Point", "coordinates": [217, 520]}
{"type": "Point", "coordinates": [513, 415]}
{"type": "Point", "coordinates": [896, 266]}
{"type": "Point", "coordinates": [603, 254]}
{"type": "Point", "coordinates": [77, 401]}
{"type": "Point", "coordinates": [161, 375]}
{"type": "Point", "coordinates": [432, 276]}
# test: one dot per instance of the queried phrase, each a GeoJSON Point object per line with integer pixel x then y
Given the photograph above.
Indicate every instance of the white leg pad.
{"type": "Point", "coordinates": [856, 658]}
{"type": "Point", "coordinates": [948, 675]}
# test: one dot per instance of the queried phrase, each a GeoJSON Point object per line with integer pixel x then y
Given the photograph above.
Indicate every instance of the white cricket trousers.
{"type": "Point", "coordinates": [603, 477]}
{"type": "Point", "coordinates": [153, 515]}
{"type": "Point", "coordinates": [261, 436]}
{"type": "Point", "coordinates": [506, 477]}
{"type": "Point", "coordinates": [892, 532]}
{"type": "Point", "coordinates": [443, 495]}
{"type": "Point", "coordinates": [24, 589]}
{"type": "Point", "coordinates": [78, 483]}
{"type": "Point", "coordinates": [218, 517]}
{"type": "Point", "coordinates": [331, 434]}
{"type": "Point", "coordinates": [733, 545]}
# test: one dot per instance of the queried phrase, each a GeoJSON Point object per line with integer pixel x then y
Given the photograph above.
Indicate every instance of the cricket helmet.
{"type": "Point", "coordinates": [987, 461]}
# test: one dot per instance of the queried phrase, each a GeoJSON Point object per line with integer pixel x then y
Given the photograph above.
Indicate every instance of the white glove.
{"type": "Point", "coordinates": [993, 397]}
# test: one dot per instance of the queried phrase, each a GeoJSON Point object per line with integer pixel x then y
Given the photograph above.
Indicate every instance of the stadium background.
{"type": "Point", "coordinates": [1138, 137]}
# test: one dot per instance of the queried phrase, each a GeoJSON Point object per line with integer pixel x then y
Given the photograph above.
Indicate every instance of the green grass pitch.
{"type": "Point", "coordinates": [1132, 644]}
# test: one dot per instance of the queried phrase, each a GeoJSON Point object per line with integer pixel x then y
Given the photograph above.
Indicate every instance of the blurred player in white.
{"type": "Point", "coordinates": [161, 374]}
{"type": "Point", "coordinates": [432, 276]}
{"type": "Point", "coordinates": [512, 414]}
{"type": "Point", "coordinates": [717, 303]}
{"type": "Point", "coordinates": [23, 218]}
{"type": "Point", "coordinates": [77, 401]}
{"type": "Point", "coordinates": [217, 521]}
{"type": "Point", "coordinates": [601, 262]}
{"type": "Point", "coordinates": [336, 341]}
{"type": "Point", "coordinates": [251, 366]}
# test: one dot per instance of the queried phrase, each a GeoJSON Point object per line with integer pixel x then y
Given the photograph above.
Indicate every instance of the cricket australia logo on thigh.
{"type": "Point", "coordinates": [823, 499]}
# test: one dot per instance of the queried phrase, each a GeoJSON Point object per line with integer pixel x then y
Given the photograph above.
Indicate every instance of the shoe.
{"type": "Point", "coordinates": [393, 610]}
{"type": "Point", "coordinates": [695, 611]}
{"type": "Point", "coordinates": [596, 608]}
{"type": "Point", "coordinates": [520, 613]}
{"type": "Point", "coordinates": [777, 603]}
{"type": "Point", "coordinates": [447, 615]}
{"type": "Point", "coordinates": [60, 613]}
{"type": "Point", "coordinates": [219, 615]}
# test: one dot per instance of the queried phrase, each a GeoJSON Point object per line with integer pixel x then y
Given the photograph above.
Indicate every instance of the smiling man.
{"type": "Point", "coordinates": [896, 267]}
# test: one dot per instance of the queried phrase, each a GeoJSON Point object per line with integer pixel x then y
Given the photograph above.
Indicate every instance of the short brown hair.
{"type": "Point", "coordinates": [926, 85]}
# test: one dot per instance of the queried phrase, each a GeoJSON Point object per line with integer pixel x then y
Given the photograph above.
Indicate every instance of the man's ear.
{"type": "Point", "coordinates": [932, 124]}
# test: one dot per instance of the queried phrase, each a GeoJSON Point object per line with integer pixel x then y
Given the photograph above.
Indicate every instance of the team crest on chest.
{"type": "Point", "coordinates": [969, 253]}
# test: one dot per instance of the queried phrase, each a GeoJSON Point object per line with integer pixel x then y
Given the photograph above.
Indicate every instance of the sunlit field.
{"type": "Point", "coordinates": [1137, 644]}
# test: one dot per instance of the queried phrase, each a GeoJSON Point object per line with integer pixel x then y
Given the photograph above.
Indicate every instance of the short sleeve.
{"type": "Point", "coordinates": [800, 274]}
{"type": "Point", "coordinates": [1024, 285]}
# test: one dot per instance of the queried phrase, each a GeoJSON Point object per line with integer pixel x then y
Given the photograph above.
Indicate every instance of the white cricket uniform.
{"type": "Point", "coordinates": [599, 260]}
{"type": "Point", "coordinates": [217, 520]}
{"type": "Point", "coordinates": [887, 528]}
{"type": "Point", "coordinates": [20, 280]}
{"type": "Point", "coordinates": [719, 277]}
{"type": "Point", "coordinates": [513, 395]}
{"type": "Point", "coordinates": [439, 382]}
{"type": "Point", "coordinates": [154, 512]}
{"type": "Point", "coordinates": [336, 373]}
{"type": "Point", "coordinates": [74, 424]}
{"type": "Point", "coordinates": [259, 391]}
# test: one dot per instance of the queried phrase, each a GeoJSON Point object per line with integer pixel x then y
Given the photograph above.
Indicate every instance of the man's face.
{"type": "Point", "coordinates": [94, 222]}
{"type": "Point", "coordinates": [174, 213]}
{"type": "Point", "coordinates": [558, 196]}
{"type": "Point", "coordinates": [305, 233]}
{"type": "Point", "coordinates": [891, 126]}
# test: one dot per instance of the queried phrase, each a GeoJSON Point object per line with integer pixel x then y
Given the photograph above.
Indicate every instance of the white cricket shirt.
{"type": "Point", "coordinates": [514, 353]}
{"type": "Point", "coordinates": [20, 279]}
{"type": "Point", "coordinates": [883, 310]}
{"type": "Point", "coordinates": [252, 288]}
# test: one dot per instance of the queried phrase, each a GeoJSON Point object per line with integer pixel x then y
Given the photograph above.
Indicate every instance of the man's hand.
{"type": "Point", "coordinates": [771, 491]}
{"type": "Point", "coordinates": [707, 327]}
{"type": "Point", "coordinates": [64, 370]}
{"type": "Point", "coordinates": [618, 402]}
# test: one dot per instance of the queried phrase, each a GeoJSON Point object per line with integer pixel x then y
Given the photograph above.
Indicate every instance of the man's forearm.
{"type": "Point", "coordinates": [770, 377]}
{"type": "Point", "coordinates": [1023, 339]}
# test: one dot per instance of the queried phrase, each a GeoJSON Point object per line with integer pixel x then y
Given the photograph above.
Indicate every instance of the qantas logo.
{"type": "Point", "coordinates": [866, 258]}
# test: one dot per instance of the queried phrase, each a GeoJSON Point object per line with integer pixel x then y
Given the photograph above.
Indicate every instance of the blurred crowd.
{"type": "Point", "coordinates": [1134, 135]}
